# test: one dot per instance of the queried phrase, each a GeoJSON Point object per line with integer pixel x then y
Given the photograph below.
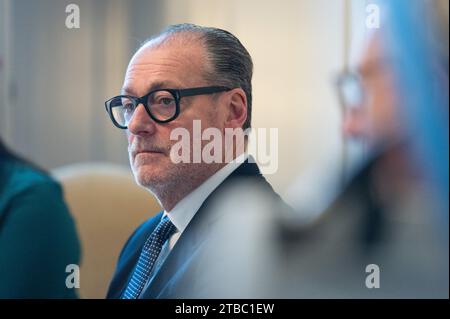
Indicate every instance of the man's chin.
{"type": "Point", "coordinates": [146, 176]}
{"type": "Point", "coordinates": [145, 181]}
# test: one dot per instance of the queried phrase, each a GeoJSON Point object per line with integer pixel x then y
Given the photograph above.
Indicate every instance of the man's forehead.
{"type": "Point", "coordinates": [375, 56]}
{"type": "Point", "coordinates": [171, 50]}
{"type": "Point", "coordinates": [369, 54]}
{"type": "Point", "coordinates": [169, 65]}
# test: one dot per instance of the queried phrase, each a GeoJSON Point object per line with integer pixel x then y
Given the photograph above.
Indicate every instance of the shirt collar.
{"type": "Point", "coordinates": [185, 209]}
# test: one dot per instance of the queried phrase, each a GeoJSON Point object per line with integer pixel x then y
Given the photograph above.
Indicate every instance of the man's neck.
{"type": "Point", "coordinates": [171, 195]}
{"type": "Point", "coordinates": [196, 175]}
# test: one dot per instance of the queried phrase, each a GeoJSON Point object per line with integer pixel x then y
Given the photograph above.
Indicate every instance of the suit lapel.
{"type": "Point", "coordinates": [130, 255]}
{"type": "Point", "coordinates": [195, 234]}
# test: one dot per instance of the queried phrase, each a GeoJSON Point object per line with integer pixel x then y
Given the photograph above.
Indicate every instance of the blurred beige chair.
{"type": "Point", "coordinates": [107, 206]}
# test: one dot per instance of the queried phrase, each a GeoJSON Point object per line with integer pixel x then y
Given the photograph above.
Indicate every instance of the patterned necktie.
{"type": "Point", "coordinates": [149, 254]}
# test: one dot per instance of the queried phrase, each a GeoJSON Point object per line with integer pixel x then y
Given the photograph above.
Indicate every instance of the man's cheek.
{"type": "Point", "coordinates": [130, 137]}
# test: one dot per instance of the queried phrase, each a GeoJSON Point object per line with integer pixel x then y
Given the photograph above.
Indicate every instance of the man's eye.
{"type": "Point", "coordinates": [128, 107]}
{"type": "Point", "coordinates": [166, 101]}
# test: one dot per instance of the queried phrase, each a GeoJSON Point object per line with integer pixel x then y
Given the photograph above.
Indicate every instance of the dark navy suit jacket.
{"type": "Point", "coordinates": [175, 278]}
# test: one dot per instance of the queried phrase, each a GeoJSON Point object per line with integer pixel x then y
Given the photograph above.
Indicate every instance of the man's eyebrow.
{"type": "Point", "coordinates": [155, 86]}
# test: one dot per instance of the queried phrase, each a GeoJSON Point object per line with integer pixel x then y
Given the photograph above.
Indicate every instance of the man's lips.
{"type": "Point", "coordinates": [147, 152]}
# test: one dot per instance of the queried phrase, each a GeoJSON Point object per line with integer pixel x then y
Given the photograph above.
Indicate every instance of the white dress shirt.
{"type": "Point", "coordinates": [184, 210]}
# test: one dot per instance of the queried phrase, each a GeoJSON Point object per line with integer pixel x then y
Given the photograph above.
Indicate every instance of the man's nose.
{"type": "Point", "coordinates": [141, 123]}
{"type": "Point", "coordinates": [354, 124]}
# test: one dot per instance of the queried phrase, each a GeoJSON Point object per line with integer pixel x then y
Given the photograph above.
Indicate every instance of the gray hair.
{"type": "Point", "coordinates": [231, 64]}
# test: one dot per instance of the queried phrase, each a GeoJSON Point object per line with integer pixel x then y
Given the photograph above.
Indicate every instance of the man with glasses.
{"type": "Point", "coordinates": [184, 74]}
{"type": "Point", "coordinates": [369, 99]}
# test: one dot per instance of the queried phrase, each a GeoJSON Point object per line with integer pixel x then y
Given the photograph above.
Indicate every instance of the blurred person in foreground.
{"type": "Point", "coordinates": [38, 238]}
{"type": "Point", "coordinates": [383, 237]}
{"type": "Point", "coordinates": [386, 234]}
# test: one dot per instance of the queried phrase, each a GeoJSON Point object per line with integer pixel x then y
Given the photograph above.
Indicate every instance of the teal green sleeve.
{"type": "Point", "coordinates": [37, 241]}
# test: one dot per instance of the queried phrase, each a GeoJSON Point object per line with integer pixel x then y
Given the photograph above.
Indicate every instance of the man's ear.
{"type": "Point", "coordinates": [237, 108]}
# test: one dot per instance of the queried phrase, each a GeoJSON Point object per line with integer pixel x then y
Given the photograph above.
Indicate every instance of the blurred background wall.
{"type": "Point", "coordinates": [54, 80]}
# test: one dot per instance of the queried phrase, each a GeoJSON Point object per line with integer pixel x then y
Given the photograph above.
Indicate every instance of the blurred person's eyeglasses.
{"type": "Point", "coordinates": [352, 85]}
{"type": "Point", "coordinates": [162, 105]}
{"type": "Point", "coordinates": [350, 90]}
